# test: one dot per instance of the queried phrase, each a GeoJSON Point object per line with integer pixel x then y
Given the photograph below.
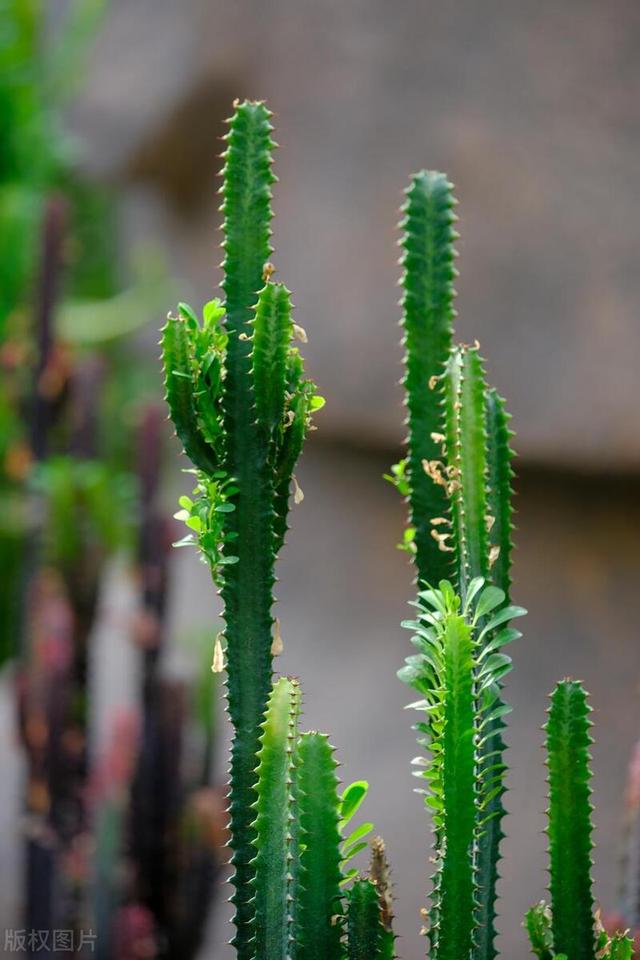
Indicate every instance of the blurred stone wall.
{"type": "Point", "coordinates": [532, 110]}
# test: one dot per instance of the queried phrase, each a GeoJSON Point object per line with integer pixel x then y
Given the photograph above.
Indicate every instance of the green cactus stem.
{"type": "Point", "coordinates": [499, 492]}
{"type": "Point", "coordinates": [570, 826]}
{"type": "Point", "coordinates": [427, 280]}
{"type": "Point", "coordinates": [364, 927]}
{"type": "Point", "coordinates": [247, 589]}
{"type": "Point", "coordinates": [275, 829]}
{"type": "Point", "coordinates": [241, 406]}
{"type": "Point", "coordinates": [537, 922]}
{"type": "Point", "coordinates": [458, 671]}
{"type": "Point", "coordinates": [272, 332]}
{"type": "Point", "coordinates": [465, 473]}
{"type": "Point", "coordinates": [318, 932]}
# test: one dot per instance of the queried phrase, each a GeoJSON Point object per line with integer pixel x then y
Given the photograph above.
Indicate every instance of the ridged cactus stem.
{"type": "Point", "coordinates": [453, 911]}
{"type": "Point", "coordinates": [499, 527]}
{"type": "Point", "coordinates": [364, 927]}
{"type": "Point", "coordinates": [380, 873]}
{"type": "Point", "coordinates": [570, 826]}
{"type": "Point", "coordinates": [499, 492]}
{"type": "Point", "coordinates": [241, 406]}
{"type": "Point", "coordinates": [458, 674]}
{"type": "Point", "coordinates": [427, 280]}
{"type": "Point", "coordinates": [276, 841]}
{"type": "Point", "coordinates": [465, 474]}
{"type": "Point", "coordinates": [318, 934]}
{"type": "Point", "coordinates": [248, 584]}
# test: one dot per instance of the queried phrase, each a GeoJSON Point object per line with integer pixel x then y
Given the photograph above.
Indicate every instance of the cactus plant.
{"type": "Point", "coordinates": [241, 406]}
{"type": "Point", "coordinates": [569, 926]}
{"type": "Point", "coordinates": [458, 473]}
{"type": "Point", "coordinates": [457, 478]}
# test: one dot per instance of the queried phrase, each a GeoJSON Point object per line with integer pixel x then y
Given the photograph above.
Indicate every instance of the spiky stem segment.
{"type": "Point", "coordinates": [275, 840]}
{"type": "Point", "coordinates": [620, 947]}
{"type": "Point", "coordinates": [317, 934]}
{"type": "Point", "coordinates": [478, 476]}
{"type": "Point", "coordinates": [380, 874]}
{"type": "Point", "coordinates": [429, 272]}
{"type": "Point", "coordinates": [272, 328]}
{"type": "Point", "coordinates": [248, 583]}
{"type": "Point", "coordinates": [537, 922]}
{"type": "Point", "coordinates": [570, 825]}
{"type": "Point", "coordinates": [492, 768]}
{"type": "Point", "coordinates": [466, 471]}
{"type": "Point", "coordinates": [180, 398]}
{"type": "Point", "coordinates": [454, 910]}
{"type": "Point", "coordinates": [458, 672]}
{"type": "Point", "coordinates": [499, 491]}
{"type": "Point", "coordinates": [364, 928]}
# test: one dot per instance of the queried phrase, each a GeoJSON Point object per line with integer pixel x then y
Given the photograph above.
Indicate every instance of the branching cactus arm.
{"type": "Point", "coordinates": [318, 932]}
{"type": "Point", "coordinates": [499, 492]}
{"type": "Point", "coordinates": [380, 874]}
{"type": "Point", "coordinates": [272, 331]}
{"type": "Point", "coordinates": [428, 277]}
{"type": "Point", "coordinates": [364, 927]}
{"type": "Point", "coordinates": [465, 474]}
{"type": "Point", "coordinates": [275, 839]}
{"type": "Point", "coordinates": [537, 922]}
{"type": "Point", "coordinates": [179, 386]}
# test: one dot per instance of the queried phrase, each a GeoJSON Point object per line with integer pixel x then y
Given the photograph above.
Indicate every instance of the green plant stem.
{"type": "Point", "coordinates": [318, 897]}
{"type": "Point", "coordinates": [248, 583]}
{"type": "Point", "coordinates": [275, 839]}
{"type": "Point", "coordinates": [570, 826]}
{"type": "Point", "coordinates": [429, 271]}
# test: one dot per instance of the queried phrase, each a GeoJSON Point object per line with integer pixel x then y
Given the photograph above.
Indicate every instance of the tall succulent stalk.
{"type": "Point", "coordinates": [457, 671]}
{"type": "Point", "coordinates": [429, 272]}
{"type": "Point", "coordinates": [457, 475]}
{"type": "Point", "coordinates": [570, 825]}
{"type": "Point", "coordinates": [247, 586]}
{"type": "Point", "coordinates": [241, 406]}
{"type": "Point", "coordinates": [569, 926]}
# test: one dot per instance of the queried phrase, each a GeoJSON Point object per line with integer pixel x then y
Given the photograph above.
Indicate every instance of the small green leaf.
{"type": "Point", "coordinates": [351, 800]}
{"type": "Point", "coordinates": [490, 598]}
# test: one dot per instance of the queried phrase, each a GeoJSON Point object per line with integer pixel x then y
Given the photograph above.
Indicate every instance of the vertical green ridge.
{"type": "Point", "coordinates": [177, 364]}
{"type": "Point", "coordinates": [492, 767]}
{"type": "Point", "coordinates": [466, 470]}
{"type": "Point", "coordinates": [248, 583]}
{"type": "Point", "coordinates": [570, 825]}
{"type": "Point", "coordinates": [317, 934]}
{"type": "Point", "coordinates": [364, 929]}
{"type": "Point", "coordinates": [457, 671]}
{"type": "Point", "coordinates": [275, 833]}
{"type": "Point", "coordinates": [456, 882]}
{"type": "Point", "coordinates": [427, 280]}
{"type": "Point", "coordinates": [272, 329]}
{"type": "Point", "coordinates": [499, 492]}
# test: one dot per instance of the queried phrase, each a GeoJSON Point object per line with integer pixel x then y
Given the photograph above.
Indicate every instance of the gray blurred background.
{"type": "Point", "coordinates": [532, 109]}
